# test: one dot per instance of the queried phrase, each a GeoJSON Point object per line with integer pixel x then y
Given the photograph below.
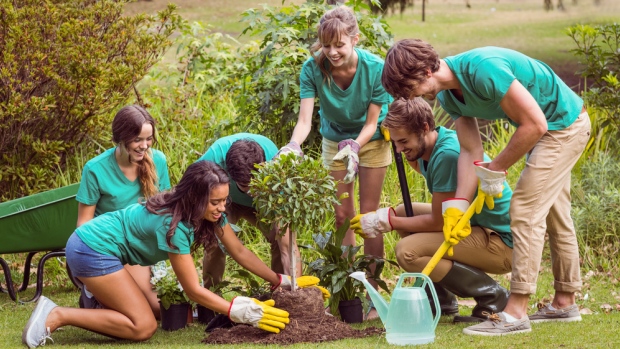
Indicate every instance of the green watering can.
{"type": "Point", "coordinates": [408, 318]}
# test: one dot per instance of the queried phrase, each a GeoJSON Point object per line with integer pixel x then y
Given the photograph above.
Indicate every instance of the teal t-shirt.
{"type": "Point", "coordinates": [217, 153]}
{"type": "Point", "coordinates": [104, 184]}
{"type": "Point", "coordinates": [485, 74]}
{"type": "Point", "coordinates": [440, 173]}
{"type": "Point", "coordinates": [136, 236]}
{"type": "Point", "coordinates": [343, 113]}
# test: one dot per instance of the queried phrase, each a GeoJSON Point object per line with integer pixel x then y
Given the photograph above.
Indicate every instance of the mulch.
{"type": "Point", "coordinates": [309, 323]}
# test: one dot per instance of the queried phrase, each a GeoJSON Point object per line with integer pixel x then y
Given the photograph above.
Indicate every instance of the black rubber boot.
{"type": "Point", "coordinates": [447, 301]}
{"type": "Point", "coordinates": [465, 281]}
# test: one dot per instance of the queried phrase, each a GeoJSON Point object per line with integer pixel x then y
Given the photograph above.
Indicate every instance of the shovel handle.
{"type": "Point", "coordinates": [441, 251]}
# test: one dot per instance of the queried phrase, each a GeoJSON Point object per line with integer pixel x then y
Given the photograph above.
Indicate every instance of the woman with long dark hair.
{"type": "Point", "coordinates": [168, 225]}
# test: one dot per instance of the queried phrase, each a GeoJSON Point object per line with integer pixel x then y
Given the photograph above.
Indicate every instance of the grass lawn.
{"type": "Point", "coordinates": [598, 330]}
{"type": "Point", "coordinates": [451, 28]}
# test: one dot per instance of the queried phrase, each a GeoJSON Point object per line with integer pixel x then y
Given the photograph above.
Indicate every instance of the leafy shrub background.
{"type": "Point", "coordinates": [65, 67]}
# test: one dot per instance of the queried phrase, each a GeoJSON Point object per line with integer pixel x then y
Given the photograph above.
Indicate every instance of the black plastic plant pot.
{"type": "Point", "coordinates": [205, 315]}
{"type": "Point", "coordinates": [351, 311]}
{"type": "Point", "coordinates": [175, 317]}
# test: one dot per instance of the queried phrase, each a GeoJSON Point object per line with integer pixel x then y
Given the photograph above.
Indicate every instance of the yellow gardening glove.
{"type": "Point", "coordinates": [372, 224]}
{"type": "Point", "coordinates": [259, 314]}
{"type": "Point", "coordinates": [452, 211]}
{"type": "Point", "coordinates": [325, 292]}
{"type": "Point", "coordinates": [301, 281]}
{"type": "Point", "coordinates": [487, 199]}
{"type": "Point", "coordinates": [490, 184]}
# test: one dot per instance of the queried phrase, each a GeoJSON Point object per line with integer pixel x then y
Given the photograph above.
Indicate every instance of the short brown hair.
{"type": "Point", "coordinates": [409, 114]}
{"type": "Point", "coordinates": [406, 64]}
{"type": "Point", "coordinates": [241, 157]}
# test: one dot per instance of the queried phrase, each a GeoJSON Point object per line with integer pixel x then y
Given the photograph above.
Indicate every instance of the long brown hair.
{"type": "Point", "coordinates": [187, 202]}
{"type": "Point", "coordinates": [126, 126]}
{"type": "Point", "coordinates": [333, 25]}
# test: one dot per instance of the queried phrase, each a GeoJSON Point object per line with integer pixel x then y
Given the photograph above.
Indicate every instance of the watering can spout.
{"type": "Point", "coordinates": [379, 303]}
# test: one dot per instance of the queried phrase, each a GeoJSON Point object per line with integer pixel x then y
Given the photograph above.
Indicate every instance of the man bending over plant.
{"type": "Point", "coordinates": [434, 152]}
{"type": "Point", "coordinates": [238, 154]}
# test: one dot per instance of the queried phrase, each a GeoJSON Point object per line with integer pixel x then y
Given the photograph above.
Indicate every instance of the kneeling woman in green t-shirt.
{"type": "Point", "coordinates": [167, 226]}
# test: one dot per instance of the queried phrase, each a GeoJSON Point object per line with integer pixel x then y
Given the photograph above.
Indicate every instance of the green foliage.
{"type": "Point", "coordinates": [596, 207]}
{"type": "Point", "coordinates": [337, 262]}
{"type": "Point", "coordinates": [169, 290]}
{"type": "Point", "coordinates": [598, 48]}
{"type": "Point", "coordinates": [65, 66]}
{"type": "Point", "coordinates": [251, 285]}
{"type": "Point", "coordinates": [296, 193]}
{"type": "Point", "coordinates": [262, 75]}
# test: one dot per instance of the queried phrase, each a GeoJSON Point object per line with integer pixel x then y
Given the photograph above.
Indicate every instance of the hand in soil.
{"type": "Point", "coordinates": [309, 323]}
{"type": "Point", "coordinates": [302, 281]}
{"type": "Point", "coordinates": [259, 314]}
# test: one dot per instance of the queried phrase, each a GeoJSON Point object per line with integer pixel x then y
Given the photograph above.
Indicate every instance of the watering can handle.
{"type": "Point", "coordinates": [441, 251]}
{"type": "Point", "coordinates": [426, 282]}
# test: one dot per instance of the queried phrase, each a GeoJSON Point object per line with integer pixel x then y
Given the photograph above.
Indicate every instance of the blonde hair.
{"type": "Point", "coordinates": [333, 25]}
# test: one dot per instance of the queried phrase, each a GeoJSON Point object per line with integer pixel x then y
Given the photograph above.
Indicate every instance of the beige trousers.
{"type": "Point", "coordinates": [214, 261]}
{"type": "Point", "coordinates": [482, 249]}
{"type": "Point", "coordinates": [541, 203]}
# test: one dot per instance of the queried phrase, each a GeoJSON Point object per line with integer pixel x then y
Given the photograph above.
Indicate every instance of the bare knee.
{"type": "Point", "coordinates": [145, 330]}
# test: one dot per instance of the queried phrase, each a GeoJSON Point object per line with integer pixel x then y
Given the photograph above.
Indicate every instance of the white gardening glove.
{"type": "Point", "coordinates": [291, 147]}
{"type": "Point", "coordinates": [347, 153]}
{"type": "Point", "coordinates": [372, 224]}
{"type": "Point", "coordinates": [490, 184]}
{"type": "Point", "coordinates": [259, 314]}
{"type": "Point", "coordinates": [452, 211]}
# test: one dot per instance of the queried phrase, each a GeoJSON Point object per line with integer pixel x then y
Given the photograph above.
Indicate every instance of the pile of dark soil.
{"type": "Point", "coordinates": [309, 323]}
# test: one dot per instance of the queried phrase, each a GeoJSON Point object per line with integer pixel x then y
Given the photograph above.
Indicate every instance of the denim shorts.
{"type": "Point", "coordinates": [85, 262]}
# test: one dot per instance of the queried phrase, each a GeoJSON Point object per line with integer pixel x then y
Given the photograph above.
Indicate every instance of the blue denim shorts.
{"type": "Point", "coordinates": [85, 262]}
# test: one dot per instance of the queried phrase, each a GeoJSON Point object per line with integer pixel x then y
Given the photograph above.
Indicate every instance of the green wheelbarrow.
{"type": "Point", "coordinates": [41, 222]}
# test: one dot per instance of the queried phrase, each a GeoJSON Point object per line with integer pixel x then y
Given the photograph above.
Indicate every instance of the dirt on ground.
{"type": "Point", "coordinates": [309, 323]}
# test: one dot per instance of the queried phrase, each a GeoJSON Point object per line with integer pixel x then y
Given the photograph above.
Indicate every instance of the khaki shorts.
{"type": "Point", "coordinates": [374, 154]}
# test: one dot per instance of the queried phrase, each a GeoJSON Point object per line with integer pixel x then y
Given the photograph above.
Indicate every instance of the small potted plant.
{"type": "Point", "coordinates": [174, 303]}
{"type": "Point", "coordinates": [333, 267]}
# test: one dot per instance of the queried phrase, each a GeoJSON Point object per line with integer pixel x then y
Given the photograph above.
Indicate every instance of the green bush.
{"type": "Point", "coordinates": [596, 206]}
{"type": "Point", "coordinates": [65, 66]}
{"type": "Point", "coordinates": [598, 48]}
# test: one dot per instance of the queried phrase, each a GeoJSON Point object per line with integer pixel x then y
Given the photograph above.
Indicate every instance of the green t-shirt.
{"type": "Point", "coordinates": [136, 236]}
{"type": "Point", "coordinates": [217, 153]}
{"type": "Point", "coordinates": [485, 74]}
{"type": "Point", "coordinates": [343, 113]}
{"type": "Point", "coordinates": [104, 184]}
{"type": "Point", "coordinates": [440, 173]}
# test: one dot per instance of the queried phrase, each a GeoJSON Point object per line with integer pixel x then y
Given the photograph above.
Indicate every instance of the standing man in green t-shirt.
{"type": "Point", "coordinates": [434, 152]}
{"type": "Point", "coordinates": [552, 130]}
{"type": "Point", "coordinates": [237, 154]}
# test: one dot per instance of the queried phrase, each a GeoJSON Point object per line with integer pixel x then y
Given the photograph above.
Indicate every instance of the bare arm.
{"type": "Point", "coordinates": [85, 213]}
{"type": "Point", "coordinates": [471, 150]}
{"type": "Point", "coordinates": [370, 126]}
{"type": "Point", "coordinates": [183, 266]}
{"type": "Point", "coordinates": [523, 109]}
{"type": "Point", "coordinates": [246, 258]}
{"type": "Point", "coordinates": [304, 122]}
{"type": "Point", "coordinates": [423, 223]}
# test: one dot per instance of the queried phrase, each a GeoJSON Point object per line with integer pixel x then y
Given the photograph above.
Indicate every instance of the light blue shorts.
{"type": "Point", "coordinates": [86, 262]}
